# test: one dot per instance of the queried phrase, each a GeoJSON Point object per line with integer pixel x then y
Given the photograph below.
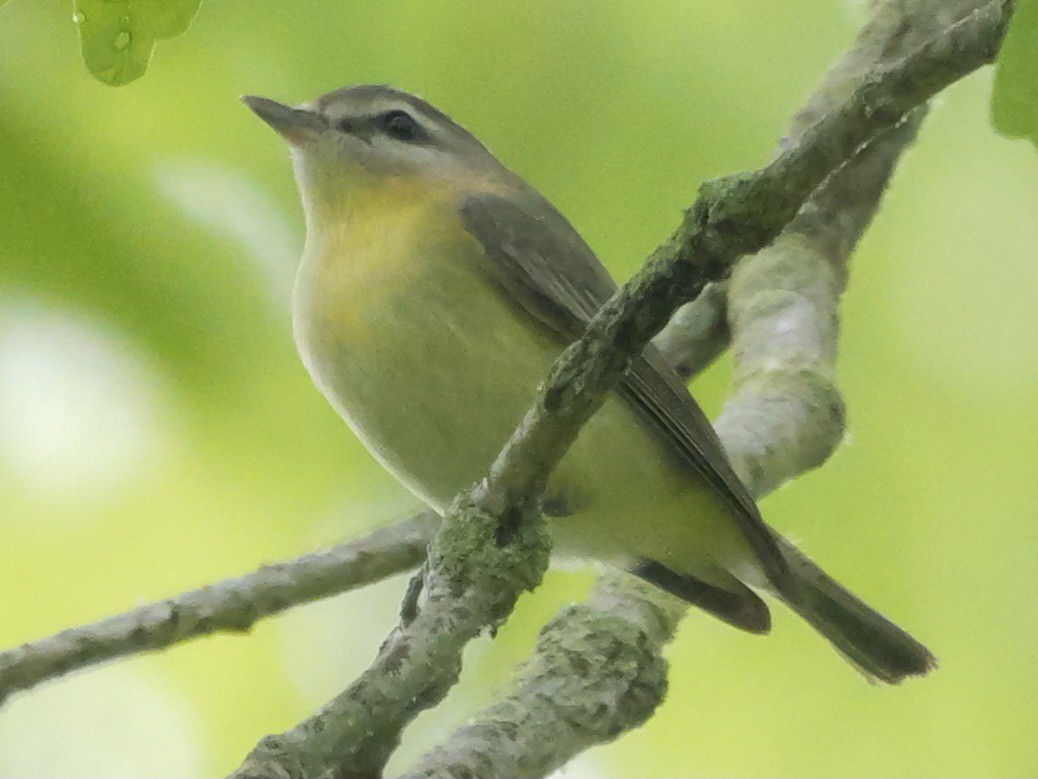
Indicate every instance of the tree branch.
{"type": "Point", "coordinates": [470, 582]}
{"type": "Point", "coordinates": [699, 331]}
{"type": "Point", "coordinates": [231, 605]}
{"type": "Point", "coordinates": [597, 669]}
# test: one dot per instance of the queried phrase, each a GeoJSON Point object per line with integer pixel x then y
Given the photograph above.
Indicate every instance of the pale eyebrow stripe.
{"type": "Point", "coordinates": [428, 119]}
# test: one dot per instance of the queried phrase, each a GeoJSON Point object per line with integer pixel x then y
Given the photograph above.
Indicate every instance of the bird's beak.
{"type": "Point", "coordinates": [296, 125]}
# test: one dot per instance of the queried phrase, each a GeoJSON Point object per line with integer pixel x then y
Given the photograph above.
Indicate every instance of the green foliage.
{"type": "Point", "coordinates": [118, 36]}
{"type": "Point", "coordinates": [1014, 100]}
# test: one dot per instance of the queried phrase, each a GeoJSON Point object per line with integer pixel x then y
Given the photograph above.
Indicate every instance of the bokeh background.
{"type": "Point", "coordinates": [157, 431]}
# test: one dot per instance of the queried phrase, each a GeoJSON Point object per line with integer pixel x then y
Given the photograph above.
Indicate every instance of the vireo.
{"type": "Point", "coordinates": [435, 289]}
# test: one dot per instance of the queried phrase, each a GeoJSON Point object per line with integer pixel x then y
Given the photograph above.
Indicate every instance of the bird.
{"type": "Point", "coordinates": [435, 289]}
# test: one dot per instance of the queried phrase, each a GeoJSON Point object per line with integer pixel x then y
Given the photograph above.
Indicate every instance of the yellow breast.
{"type": "Point", "coordinates": [401, 330]}
{"type": "Point", "coordinates": [352, 263]}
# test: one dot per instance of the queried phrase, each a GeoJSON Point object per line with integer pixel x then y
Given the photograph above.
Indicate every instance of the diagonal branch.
{"type": "Point", "coordinates": [472, 580]}
{"type": "Point", "coordinates": [232, 605]}
{"type": "Point", "coordinates": [699, 331]}
{"type": "Point", "coordinates": [597, 669]}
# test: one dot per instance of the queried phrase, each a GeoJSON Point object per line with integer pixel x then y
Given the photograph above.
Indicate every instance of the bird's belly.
{"type": "Point", "coordinates": [434, 387]}
{"type": "Point", "coordinates": [431, 370]}
{"type": "Point", "coordinates": [631, 499]}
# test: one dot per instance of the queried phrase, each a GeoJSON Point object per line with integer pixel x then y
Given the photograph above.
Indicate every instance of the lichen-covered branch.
{"type": "Point", "coordinates": [785, 415]}
{"type": "Point", "coordinates": [471, 582]}
{"type": "Point", "coordinates": [596, 671]}
{"type": "Point", "coordinates": [699, 331]}
{"type": "Point", "coordinates": [232, 605]}
{"type": "Point", "coordinates": [783, 418]}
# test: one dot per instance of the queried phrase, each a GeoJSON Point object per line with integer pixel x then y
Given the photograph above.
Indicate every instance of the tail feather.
{"type": "Point", "coordinates": [878, 647]}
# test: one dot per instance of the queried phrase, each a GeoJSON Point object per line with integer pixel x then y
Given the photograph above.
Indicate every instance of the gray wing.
{"type": "Point", "coordinates": [540, 260]}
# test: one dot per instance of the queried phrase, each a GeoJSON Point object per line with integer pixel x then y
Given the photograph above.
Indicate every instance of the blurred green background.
{"type": "Point", "coordinates": [157, 431]}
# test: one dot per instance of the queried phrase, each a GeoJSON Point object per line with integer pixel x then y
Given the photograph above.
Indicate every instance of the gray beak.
{"type": "Point", "coordinates": [295, 125]}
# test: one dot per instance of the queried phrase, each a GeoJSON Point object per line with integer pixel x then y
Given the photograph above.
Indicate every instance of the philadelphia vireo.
{"type": "Point", "coordinates": [435, 290]}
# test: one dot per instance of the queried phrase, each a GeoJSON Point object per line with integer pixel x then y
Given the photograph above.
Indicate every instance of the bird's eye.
{"type": "Point", "coordinates": [400, 125]}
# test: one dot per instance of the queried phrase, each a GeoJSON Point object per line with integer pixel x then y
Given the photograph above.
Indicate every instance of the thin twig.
{"type": "Point", "coordinates": [232, 605]}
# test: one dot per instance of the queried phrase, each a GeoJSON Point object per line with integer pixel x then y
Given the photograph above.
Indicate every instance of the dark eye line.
{"type": "Point", "coordinates": [395, 123]}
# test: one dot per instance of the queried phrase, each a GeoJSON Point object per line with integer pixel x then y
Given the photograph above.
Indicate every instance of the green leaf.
{"type": "Point", "coordinates": [118, 36]}
{"type": "Point", "coordinates": [1014, 101]}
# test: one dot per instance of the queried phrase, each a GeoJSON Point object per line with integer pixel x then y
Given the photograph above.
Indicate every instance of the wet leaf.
{"type": "Point", "coordinates": [118, 36]}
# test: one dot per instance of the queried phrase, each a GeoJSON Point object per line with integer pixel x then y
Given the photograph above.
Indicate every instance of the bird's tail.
{"type": "Point", "coordinates": [878, 647]}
